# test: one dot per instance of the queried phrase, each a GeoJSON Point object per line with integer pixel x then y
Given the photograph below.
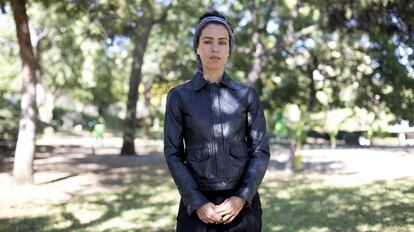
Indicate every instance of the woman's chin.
{"type": "Point", "coordinates": [214, 66]}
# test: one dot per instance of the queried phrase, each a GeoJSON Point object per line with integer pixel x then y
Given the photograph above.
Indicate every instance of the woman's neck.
{"type": "Point", "coordinates": [213, 75]}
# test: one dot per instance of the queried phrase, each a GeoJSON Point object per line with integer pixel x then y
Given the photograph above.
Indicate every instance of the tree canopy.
{"type": "Point", "coordinates": [320, 55]}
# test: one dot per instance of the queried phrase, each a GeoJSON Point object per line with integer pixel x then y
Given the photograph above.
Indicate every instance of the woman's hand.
{"type": "Point", "coordinates": [208, 213]}
{"type": "Point", "coordinates": [230, 208]}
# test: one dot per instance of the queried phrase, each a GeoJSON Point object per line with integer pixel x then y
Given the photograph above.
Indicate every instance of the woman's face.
{"type": "Point", "coordinates": [213, 46]}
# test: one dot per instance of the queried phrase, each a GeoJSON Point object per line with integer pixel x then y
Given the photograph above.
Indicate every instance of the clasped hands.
{"type": "Point", "coordinates": [223, 213]}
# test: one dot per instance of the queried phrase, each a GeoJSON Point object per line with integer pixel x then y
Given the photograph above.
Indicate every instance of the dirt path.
{"type": "Point", "coordinates": [71, 166]}
{"type": "Point", "coordinates": [353, 166]}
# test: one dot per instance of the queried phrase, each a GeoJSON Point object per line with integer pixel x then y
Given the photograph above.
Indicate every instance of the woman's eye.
{"type": "Point", "coordinates": [223, 43]}
{"type": "Point", "coordinates": [207, 42]}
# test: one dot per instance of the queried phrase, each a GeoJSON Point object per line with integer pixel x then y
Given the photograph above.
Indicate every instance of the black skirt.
{"type": "Point", "coordinates": [249, 219]}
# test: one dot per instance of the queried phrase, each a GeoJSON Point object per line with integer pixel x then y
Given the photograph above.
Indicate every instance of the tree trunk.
{"type": "Point", "coordinates": [44, 99]}
{"type": "Point", "coordinates": [332, 139]}
{"type": "Point", "coordinates": [260, 52]}
{"type": "Point", "coordinates": [254, 73]}
{"type": "Point", "coordinates": [128, 146]}
{"type": "Point", "coordinates": [312, 89]}
{"type": "Point", "coordinates": [258, 60]}
{"type": "Point", "coordinates": [25, 148]}
{"type": "Point", "coordinates": [290, 166]}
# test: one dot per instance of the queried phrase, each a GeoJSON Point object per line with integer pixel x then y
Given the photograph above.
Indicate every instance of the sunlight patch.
{"type": "Point", "coordinates": [86, 212]}
{"type": "Point", "coordinates": [366, 227]}
{"type": "Point", "coordinates": [117, 224]}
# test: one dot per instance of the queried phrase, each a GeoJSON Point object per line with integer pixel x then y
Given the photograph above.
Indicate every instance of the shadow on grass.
{"type": "Point", "coordinates": [149, 203]}
{"type": "Point", "coordinates": [298, 203]}
{"type": "Point", "coordinates": [136, 208]}
{"type": "Point", "coordinates": [380, 206]}
{"type": "Point", "coordinates": [25, 224]}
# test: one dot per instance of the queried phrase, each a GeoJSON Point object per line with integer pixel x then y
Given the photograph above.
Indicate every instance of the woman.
{"type": "Point", "coordinates": [215, 141]}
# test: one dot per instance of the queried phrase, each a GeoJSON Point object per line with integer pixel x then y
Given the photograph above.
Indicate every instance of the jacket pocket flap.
{"type": "Point", "coordinates": [199, 154]}
{"type": "Point", "coordinates": [238, 151]}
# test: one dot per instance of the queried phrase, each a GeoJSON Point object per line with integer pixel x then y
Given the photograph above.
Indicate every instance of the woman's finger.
{"type": "Point", "coordinates": [223, 212]}
{"type": "Point", "coordinates": [204, 220]}
{"type": "Point", "coordinates": [226, 218]}
{"type": "Point", "coordinates": [212, 216]}
{"type": "Point", "coordinates": [222, 207]}
{"type": "Point", "coordinates": [232, 217]}
{"type": "Point", "coordinates": [209, 219]}
{"type": "Point", "coordinates": [218, 218]}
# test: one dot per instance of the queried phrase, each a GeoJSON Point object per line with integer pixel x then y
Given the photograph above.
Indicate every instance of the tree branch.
{"type": "Point", "coordinates": [305, 31]}
{"type": "Point", "coordinates": [252, 9]}
{"type": "Point", "coordinates": [269, 6]}
{"type": "Point", "coordinates": [334, 78]}
{"type": "Point", "coordinates": [290, 32]}
{"type": "Point", "coordinates": [37, 36]}
{"type": "Point", "coordinates": [299, 34]}
{"type": "Point", "coordinates": [9, 43]}
{"type": "Point", "coordinates": [42, 34]}
{"type": "Point", "coordinates": [163, 15]}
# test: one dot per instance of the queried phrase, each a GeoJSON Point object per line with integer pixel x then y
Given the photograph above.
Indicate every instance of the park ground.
{"type": "Point", "coordinates": [83, 186]}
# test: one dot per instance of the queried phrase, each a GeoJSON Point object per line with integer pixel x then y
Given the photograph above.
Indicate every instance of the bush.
{"type": "Point", "coordinates": [66, 119]}
{"type": "Point", "coordinates": [9, 119]}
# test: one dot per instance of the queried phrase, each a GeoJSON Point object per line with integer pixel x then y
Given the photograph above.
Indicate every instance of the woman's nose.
{"type": "Point", "coordinates": [214, 47]}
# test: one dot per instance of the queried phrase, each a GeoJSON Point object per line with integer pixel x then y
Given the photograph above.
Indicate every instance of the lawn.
{"type": "Point", "coordinates": [79, 189]}
{"type": "Point", "coordinates": [300, 202]}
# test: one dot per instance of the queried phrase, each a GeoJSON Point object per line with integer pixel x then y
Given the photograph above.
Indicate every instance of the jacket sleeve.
{"type": "Point", "coordinates": [258, 148]}
{"type": "Point", "coordinates": [174, 155]}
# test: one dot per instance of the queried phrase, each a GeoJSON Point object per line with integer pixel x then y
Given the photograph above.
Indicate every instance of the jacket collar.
{"type": "Point", "coordinates": [199, 82]}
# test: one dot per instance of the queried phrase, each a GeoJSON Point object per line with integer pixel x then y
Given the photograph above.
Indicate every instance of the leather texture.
{"type": "Point", "coordinates": [215, 139]}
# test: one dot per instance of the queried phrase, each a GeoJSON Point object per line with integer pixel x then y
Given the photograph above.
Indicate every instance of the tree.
{"type": "Point", "coordinates": [264, 45]}
{"type": "Point", "coordinates": [10, 68]}
{"type": "Point", "coordinates": [387, 29]}
{"type": "Point", "coordinates": [141, 39]}
{"type": "Point", "coordinates": [297, 124]}
{"type": "Point", "coordinates": [134, 22]}
{"type": "Point", "coordinates": [25, 148]}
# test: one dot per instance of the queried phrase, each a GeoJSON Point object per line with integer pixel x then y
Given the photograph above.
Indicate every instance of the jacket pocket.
{"type": "Point", "coordinates": [238, 160]}
{"type": "Point", "coordinates": [198, 154]}
{"type": "Point", "coordinates": [199, 162]}
{"type": "Point", "coordinates": [238, 151]}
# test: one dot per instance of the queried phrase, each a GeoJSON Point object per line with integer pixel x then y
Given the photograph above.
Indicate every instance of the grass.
{"type": "Point", "coordinates": [290, 203]}
{"type": "Point", "coordinates": [303, 204]}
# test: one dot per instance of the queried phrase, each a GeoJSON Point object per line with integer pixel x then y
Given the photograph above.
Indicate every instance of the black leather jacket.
{"type": "Point", "coordinates": [215, 139]}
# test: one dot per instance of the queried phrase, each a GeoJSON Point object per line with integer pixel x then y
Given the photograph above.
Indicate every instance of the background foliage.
{"type": "Point", "coordinates": [321, 56]}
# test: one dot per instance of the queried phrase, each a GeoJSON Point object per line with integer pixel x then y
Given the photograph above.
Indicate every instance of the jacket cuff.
{"type": "Point", "coordinates": [195, 203]}
{"type": "Point", "coordinates": [246, 194]}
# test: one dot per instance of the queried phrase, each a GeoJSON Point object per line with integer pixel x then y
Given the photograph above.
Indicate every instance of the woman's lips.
{"type": "Point", "coordinates": [215, 58]}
